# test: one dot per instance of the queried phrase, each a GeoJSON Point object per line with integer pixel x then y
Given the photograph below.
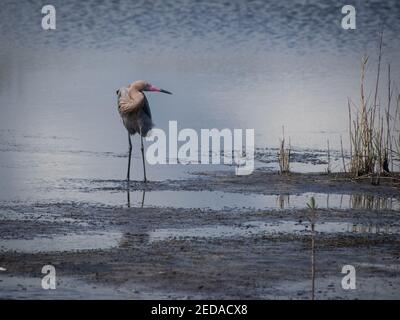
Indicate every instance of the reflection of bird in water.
{"type": "Point", "coordinates": [128, 195]}
{"type": "Point", "coordinates": [135, 112]}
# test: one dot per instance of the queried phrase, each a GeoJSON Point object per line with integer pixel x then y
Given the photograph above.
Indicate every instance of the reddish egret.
{"type": "Point", "coordinates": [135, 112]}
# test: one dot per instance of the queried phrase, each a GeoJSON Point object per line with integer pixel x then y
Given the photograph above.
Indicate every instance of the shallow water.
{"type": "Point", "coordinates": [100, 240]}
{"type": "Point", "coordinates": [260, 228]}
{"type": "Point", "coordinates": [214, 200]}
{"type": "Point", "coordinates": [217, 200]}
{"type": "Point", "coordinates": [41, 169]}
{"type": "Point", "coordinates": [61, 243]}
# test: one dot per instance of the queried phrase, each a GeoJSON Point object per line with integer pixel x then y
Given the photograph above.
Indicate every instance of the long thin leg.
{"type": "Point", "coordinates": [129, 159]}
{"type": "Point", "coordinates": [144, 164]}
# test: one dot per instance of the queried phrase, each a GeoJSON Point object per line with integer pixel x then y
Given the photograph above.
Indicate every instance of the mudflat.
{"type": "Point", "coordinates": [264, 249]}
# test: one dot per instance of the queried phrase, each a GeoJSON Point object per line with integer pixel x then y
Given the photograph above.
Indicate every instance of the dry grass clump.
{"type": "Point", "coordinates": [374, 131]}
{"type": "Point", "coordinates": [284, 154]}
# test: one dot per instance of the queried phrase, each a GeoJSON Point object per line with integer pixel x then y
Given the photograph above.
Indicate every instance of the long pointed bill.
{"type": "Point", "coordinates": [155, 89]}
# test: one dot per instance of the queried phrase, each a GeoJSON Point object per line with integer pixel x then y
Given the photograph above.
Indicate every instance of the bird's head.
{"type": "Point", "coordinates": [142, 85]}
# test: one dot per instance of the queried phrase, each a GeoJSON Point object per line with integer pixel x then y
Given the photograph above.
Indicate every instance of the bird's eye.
{"type": "Point", "coordinates": [117, 92]}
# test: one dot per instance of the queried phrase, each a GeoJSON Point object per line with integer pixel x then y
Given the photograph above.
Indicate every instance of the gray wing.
{"type": "Point", "coordinates": [146, 107]}
{"type": "Point", "coordinates": [146, 123]}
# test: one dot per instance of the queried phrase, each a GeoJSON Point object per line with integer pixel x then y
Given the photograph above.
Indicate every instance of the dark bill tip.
{"type": "Point", "coordinates": [165, 91]}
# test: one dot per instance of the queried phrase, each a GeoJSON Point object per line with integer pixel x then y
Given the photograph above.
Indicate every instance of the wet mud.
{"type": "Point", "coordinates": [142, 249]}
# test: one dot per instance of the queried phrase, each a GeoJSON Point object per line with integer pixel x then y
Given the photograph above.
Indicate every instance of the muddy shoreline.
{"type": "Point", "coordinates": [136, 252]}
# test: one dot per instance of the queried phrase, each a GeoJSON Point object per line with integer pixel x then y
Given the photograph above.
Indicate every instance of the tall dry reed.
{"type": "Point", "coordinates": [284, 154]}
{"type": "Point", "coordinates": [372, 127]}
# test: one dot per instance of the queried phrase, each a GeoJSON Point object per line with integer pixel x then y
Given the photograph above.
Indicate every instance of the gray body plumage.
{"type": "Point", "coordinates": [138, 121]}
